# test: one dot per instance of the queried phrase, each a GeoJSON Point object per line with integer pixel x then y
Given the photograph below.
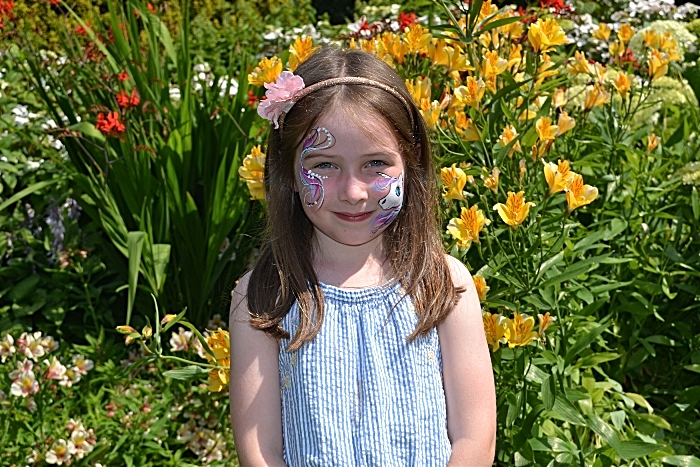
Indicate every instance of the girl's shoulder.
{"type": "Point", "coordinates": [461, 277]}
{"type": "Point", "coordinates": [239, 294]}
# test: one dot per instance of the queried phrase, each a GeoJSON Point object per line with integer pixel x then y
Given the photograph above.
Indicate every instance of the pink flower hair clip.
{"type": "Point", "coordinates": [280, 96]}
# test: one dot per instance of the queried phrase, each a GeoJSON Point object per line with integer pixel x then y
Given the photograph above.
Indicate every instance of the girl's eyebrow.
{"type": "Point", "coordinates": [335, 156]}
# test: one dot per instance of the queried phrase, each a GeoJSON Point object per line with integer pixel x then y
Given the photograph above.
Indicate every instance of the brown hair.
{"type": "Point", "coordinates": [284, 272]}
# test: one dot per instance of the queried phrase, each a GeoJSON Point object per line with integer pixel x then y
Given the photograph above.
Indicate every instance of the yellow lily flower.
{"type": "Point", "coordinates": [471, 93]}
{"type": "Point", "coordinates": [622, 83]}
{"type": "Point", "coordinates": [253, 172]}
{"type": "Point", "coordinates": [652, 142]}
{"type": "Point", "coordinates": [267, 71]}
{"type": "Point", "coordinates": [580, 64]}
{"type": "Point", "coordinates": [219, 343]}
{"type": "Point", "coordinates": [545, 321]}
{"type": "Point", "coordinates": [658, 64]}
{"type": "Point", "coordinates": [602, 33]}
{"type": "Point", "coordinates": [616, 49]}
{"type": "Point", "coordinates": [565, 123]}
{"type": "Point", "coordinates": [546, 34]}
{"type": "Point", "coordinates": [437, 52]}
{"type": "Point", "coordinates": [493, 65]}
{"type": "Point", "coordinates": [651, 39]}
{"type": "Point", "coordinates": [520, 331]}
{"type": "Point", "coordinates": [417, 38]}
{"type": "Point", "coordinates": [391, 45]}
{"type": "Point", "coordinates": [218, 379]}
{"type": "Point", "coordinates": [491, 181]}
{"type": "Point", "coordinates": [596, 96]}
{"type": "Point", "coordinates": [578, 194]}
{"type": "Point", "coordinates": [559, 98]}
{"type": "Point", "coordinates": [557, 175]}
{"type": "Point", "coordinates": [545, 70]}
{"type": "Point", "coordinates": [466, 128]}
{"type": "Point", "coordinates": [457, 61]}
{"type": "Point", "coordinates": [368, 45]}
{"type": "Point", "coordinates": [600, 71]}
{"type": "Point", "coordinates": [625, 33]}
{"type": "Point", "coordinates": [515, 56]}
{"type": "Point", "coordinates": [299, 51]}
{"type": "Point", "coordinates": [508, 135]}
{"type": "Point", "coordinates": [419, 88]}
{"type": "Point", "coordinates": [523, 170]}
{"type": "Point", "coordinates": [495, 329]}
{"type": "Point", "coordinates": [481, 287]}
{"type": "Point", "coordinates": [430, 112]}
{"type": "Point", "coordinates": [467, 227]}
{"type": "Point", "coordinates": [453, 181]}
{"type": "Point", "coordinates": [515, 210]}
{"type": "Point", "coordinates": [545, 129]}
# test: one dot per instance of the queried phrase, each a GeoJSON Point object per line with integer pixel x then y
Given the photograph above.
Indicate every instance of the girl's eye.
{"type": "Point", "coordinates": [324, 165]}
{"type": "Point", "coordinates": [377, 163]}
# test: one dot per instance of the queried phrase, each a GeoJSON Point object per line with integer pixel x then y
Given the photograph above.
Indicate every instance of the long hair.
{"type": "Point", "coordinates": [284, 272]}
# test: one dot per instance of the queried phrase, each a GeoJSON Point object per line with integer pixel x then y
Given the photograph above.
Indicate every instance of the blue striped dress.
{"type": "Point", "coordinates": [359, 394]}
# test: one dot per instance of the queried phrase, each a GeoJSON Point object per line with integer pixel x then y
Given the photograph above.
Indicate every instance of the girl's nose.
{"type": "Point", "coordinates": [352, 189]}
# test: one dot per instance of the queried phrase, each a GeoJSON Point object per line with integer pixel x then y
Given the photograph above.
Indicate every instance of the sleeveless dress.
{"type": "Point", "coordinates": [359, 394]}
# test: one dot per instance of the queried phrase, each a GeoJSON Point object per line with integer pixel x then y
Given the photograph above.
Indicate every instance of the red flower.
{"type": "Point", "coordinates": [252, 99]}
{"type": "Point", "coordinates": [125, 102]}
{"type": "Point", "coordinates": [123, 76]}
{"type": "Point", "coordinates": [110, 126]}
{"type": "Point", "coordinates": [557, 5]}
{"type": "Point", "coordinates": [406, 19]}
{"type": "Point", "coordinates": [54, 2]}
{"type": "Point", "coordinates": [150, 8]}
{"type": "Point", "coordinates": [81, 30]}
{"type": "Point", "coordinates": [6, 7]}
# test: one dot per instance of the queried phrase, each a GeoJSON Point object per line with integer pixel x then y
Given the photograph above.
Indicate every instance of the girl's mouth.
{"type": "Point", "coordinates": [353, 217]}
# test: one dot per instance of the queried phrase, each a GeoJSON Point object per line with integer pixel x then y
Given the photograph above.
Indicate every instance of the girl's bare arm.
{"type": "Point", "coordinates": [256, 412]}
{"type": "Point", "coordinates": [468, 378]}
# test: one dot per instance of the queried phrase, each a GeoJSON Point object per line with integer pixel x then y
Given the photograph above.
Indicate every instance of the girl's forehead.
{"type": "Point", "coordinates": [368, 133]}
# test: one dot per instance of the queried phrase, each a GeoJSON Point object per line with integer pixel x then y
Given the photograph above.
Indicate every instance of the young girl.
{"type": "Point", "coordinates": [355, 340]}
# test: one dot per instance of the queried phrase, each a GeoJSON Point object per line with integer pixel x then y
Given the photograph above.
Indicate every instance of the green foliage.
{"type": "Point", "coordinates": [162, 181]}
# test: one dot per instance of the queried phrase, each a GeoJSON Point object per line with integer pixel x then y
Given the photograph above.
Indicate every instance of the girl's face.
{"type": "Point", "coordinates": [350, 179]}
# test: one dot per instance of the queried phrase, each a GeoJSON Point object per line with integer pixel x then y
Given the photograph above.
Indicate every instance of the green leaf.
{"type": "Point", "coordinates": [161, 258]}
{"type": "Point", "coordinates": [695, 203]}
{"type": "Point", "coordinates": [28, 191]}
{"type": "Point", "coordinates": [634, 449]}
{"type": "Point", "coordinates": [565, 410]}
{"type": "Point", "coordinates": [88, 129]}
{"type": "Point", "coordinates": [681, 461]}
{"type": "Point", "coordinates": [694, 367]}
{"type": "Point", "coordinates": [583, 343]}
{"type": "Point", "coordinates": [596, 359]}
{"type": "Point", "coordinates": [135, 245]}
{"type": "Point", "coordinates": [549, 392]}
{"type": "Point", "coordinates": [500, 22]}
{"type": "Point", "coordinates": [188, 372]}
{"type": "Point", "coordinates": [24, 288]}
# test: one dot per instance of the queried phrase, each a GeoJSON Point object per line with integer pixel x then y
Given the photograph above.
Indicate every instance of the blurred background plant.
{"type": "Point", "coordinates": [566, 134]}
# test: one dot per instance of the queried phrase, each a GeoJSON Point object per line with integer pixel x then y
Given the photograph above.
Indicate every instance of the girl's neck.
{"type": "Point", "coordinates": [350, 266]}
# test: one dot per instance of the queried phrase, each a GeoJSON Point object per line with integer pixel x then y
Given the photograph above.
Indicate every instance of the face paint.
{"type": "Point", "coordinates": [391, 203]}
{"type": "Point", "coordinates": [311, 180]}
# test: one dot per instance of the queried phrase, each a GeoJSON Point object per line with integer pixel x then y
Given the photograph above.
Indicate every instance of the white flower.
{"type": "Point", "coordinates": [82, 364]}
{"type": "Point", "coordinates": [24, 385]}
{"type": "Point", "coordinates": [30, 345]}
{"type": "Point", "coordinates": [55, 369]}
{"type": "Point", "coordinates": [71, 377]}
{"type": "Point", "coordinates": [174, 93]}
{"type": "Point", "coordinates": [80, 440]}
{"type": "Point", "coordinates": [232, 86]}
{"type": "Point", "coordinates": [49, 344]}
{"type": "Point", "coordinates": [60, 452]}
{"type": "Point", "coordinates": [23, 367]}
{"type": "Point", "coordinates": [7, 347]}
{"type": "Point", "coordinates": [216, 322]}
{"type": "Point", "coordinates": [180, 340]}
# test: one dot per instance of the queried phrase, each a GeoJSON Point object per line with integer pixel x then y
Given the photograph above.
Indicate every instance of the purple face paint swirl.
{"type": "Point", "coordinates": [319, 138]}
{"type": "Point", "coordinates": [391, 203]}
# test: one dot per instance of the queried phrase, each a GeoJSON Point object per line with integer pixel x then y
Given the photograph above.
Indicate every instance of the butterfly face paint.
{"type": "Point", "coordinates": [391, 203]}
{"type": "Point", "coordinates": [319, 138]}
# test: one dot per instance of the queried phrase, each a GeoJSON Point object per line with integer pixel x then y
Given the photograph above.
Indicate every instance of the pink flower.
{"type": "Point", "coordinates": [279, 95]}
{"type": "Point", "coordinates": [24, 385]}
{"type": "Point", "coordinates": [55, 370]}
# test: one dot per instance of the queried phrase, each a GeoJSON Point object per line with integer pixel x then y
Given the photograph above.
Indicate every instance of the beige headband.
{"type": "Point", "coordinates": [347, 80]}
